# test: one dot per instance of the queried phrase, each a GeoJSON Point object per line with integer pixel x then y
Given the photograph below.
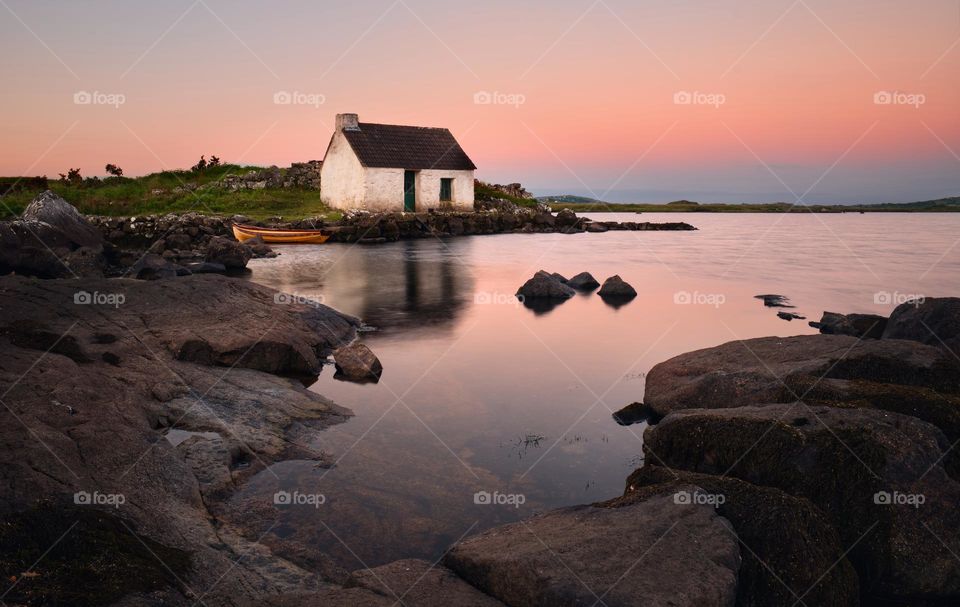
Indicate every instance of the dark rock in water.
{"type": "Point", "coordinates": [357, 363]}
{"type": "Point", "coordinates": [595, 227]}
{"type": "Point", "coordinates": [421, 584]}
{"type": "Point", "coordinates": [633, 413]}
{"type": "Point", "coordinates": [934, 321]}
{"type": "Point", "coordinates": [206, 267]}
{"type": "Point", "coordinates": [566, 219]}
{"type": "Point", "coordinates": [154, 267]}
{"type": "Point", "coordinates": [696, 563]}
{"type": "Point", "coordinates": [615, 288]}
{"type": "Point", "coordinates": [544, 285]}
{"type": "Point", "coordinates": [775, 301]}
{"type": "Point", "coordinates": [867, 326]}
{"type": "Point", "coordinates": [793, 549]}
{"type": "Point", "coordinates": [258, 246]}
{"type": "Point", "coordinates": [790, 316]}
{"type": "Point", "coordinates": [559, 277]}
{"type": "Point", "coordinates": [878, 476]}
{"type": "Point", "coordinates": [230, 253]}
{"type": "Point", "coordinates": [584, 281]}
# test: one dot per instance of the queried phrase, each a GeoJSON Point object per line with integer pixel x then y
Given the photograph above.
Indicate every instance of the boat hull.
{"type": "Point", "coordinates": [279, 236]}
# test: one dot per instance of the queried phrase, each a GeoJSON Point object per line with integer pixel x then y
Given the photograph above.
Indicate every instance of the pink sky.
{"type": "Point", "coordinates": [784, 91]}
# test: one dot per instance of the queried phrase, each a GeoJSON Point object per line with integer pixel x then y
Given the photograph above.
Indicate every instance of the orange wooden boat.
{"type": "Point", "coordinates": [279, 235]}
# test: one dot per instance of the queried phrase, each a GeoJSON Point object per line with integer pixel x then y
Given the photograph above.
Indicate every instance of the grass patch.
{"type": "Point", "coordinates": [483, 191]}
{"type": "Point", "coordinates": [165, 192]}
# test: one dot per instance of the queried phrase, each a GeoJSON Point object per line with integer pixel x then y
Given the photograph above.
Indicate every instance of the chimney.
{"type": "Point", "coordinates": [348, 122]}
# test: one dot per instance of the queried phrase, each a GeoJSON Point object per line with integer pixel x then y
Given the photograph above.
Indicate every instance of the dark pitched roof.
{"type": "Point", "coordinates": [407, 147]}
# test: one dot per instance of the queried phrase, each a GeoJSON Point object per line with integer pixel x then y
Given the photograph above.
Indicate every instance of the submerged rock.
{"type": "Point", "coordinates": [656, 553]}
{"type": "Point", "coordinates": [356, 362]}
{"type": "Point", "coordinates": [774, 301]}
{"type": "Point", "coordinates": [230, 253]}
{"type": "Point", "coordinates": [790, 316]}
{"type": "Point", "coordinates": [868, 326]}
{"type": "Point", "coordinates": [584, 281]}
{"type": "Point", "coordinates": [616, 290]}
{"type": "Point", "coordinates": [544, 285]}
{"type": "Point", "coordinates": [633, 413]}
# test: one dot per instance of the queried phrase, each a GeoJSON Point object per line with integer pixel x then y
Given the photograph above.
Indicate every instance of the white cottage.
{"type": "Point", "coordinates": [386, 167]}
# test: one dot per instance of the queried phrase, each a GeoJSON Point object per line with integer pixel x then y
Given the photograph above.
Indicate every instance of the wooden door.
{"type": "Point", "coordinates": [409, 191]}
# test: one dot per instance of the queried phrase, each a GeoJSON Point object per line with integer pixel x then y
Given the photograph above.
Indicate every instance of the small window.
{"type": "Point", "coordinates": [446, 189]}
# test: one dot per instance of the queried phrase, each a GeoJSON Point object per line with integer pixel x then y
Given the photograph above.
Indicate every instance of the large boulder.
{"type": "Point", "coordinates": [782, 369]}
{"type": "Point", "coordinates": [417, 583]}
{"type": "Point", "coordinates": [544, 285]}
{"type": "Point", "coordinates": [356, 362]}
{"type": "Point", "coordinates": [51, 240]}
{"type": "Point", "coordinates": [878, 477]}
{"type": "Point", "coordinates": [934, 321]}
{"type": "Point", "coordinates": [58, 223]}
{"type": "Point", "coordinates": [654, 553]}
{"type": "Point", "coordinates": [868, 326]}
{"type": "Point", "coordinates": [791, 549]}
{"type": "Point", "coordinates": [230, 253]}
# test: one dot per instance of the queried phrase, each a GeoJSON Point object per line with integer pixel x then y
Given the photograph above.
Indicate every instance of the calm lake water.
{"type": "Point", "coordinates": [480, 394]}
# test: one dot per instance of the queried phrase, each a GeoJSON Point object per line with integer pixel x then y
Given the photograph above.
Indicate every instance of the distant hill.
{"type": "Point", "coordinates": [569, 199]}
{"type": "Point", "coordinates": [953, 201]}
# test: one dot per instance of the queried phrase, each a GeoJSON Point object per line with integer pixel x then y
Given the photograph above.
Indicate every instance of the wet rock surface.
{"type": "Point", "coordinates": [869, 326]}
{"type": "Point", "coordinates": [788, 546]}
{"type": "Point", "coordinates": [420, 584]}
{"type": "Point", "coordinates": [355, 362]}
{"type": "Point", "coordinates": [654, 552]}
{"type": "Point", "coordinates": [93, 386]}
{"type": "Point", "coordinates": [851, 464]}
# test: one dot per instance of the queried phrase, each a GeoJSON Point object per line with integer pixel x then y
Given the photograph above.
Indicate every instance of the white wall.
{"type": "Point", "coordinates": [428, 189]}
{"type": "Point", "coordinates": [384, 190]}
{"type": "Point", "coordinates": [341, 176]}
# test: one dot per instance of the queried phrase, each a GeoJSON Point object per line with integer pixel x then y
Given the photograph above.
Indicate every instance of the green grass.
{"type": "Point", "coordinates": [154, 194]}
{"type": "Point", "coordinates": [483, 191]}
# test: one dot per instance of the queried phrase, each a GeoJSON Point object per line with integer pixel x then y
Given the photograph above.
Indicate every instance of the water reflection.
{"type": "Point", "coordinates": [481, 395]}
{"type": "Point", "coordinates": [398, 287]}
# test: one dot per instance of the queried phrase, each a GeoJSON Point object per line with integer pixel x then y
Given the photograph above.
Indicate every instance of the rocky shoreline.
{"type": "Point", "coordinates": [816, 469]}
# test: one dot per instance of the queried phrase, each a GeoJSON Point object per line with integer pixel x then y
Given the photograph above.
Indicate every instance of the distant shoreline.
{"type": "Point", "coordinates": [947, 205]}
